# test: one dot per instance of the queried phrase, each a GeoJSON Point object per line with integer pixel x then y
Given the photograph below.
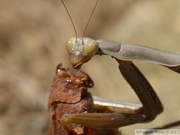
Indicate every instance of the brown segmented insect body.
{"type": "Point", "coordinates": [69, 95]}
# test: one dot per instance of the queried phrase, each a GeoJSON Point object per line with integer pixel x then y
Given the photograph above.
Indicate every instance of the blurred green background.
{"type": "Point", "coordinates": [32, 37]}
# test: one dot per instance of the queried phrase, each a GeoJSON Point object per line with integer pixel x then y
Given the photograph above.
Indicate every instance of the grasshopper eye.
{"type": "Point", "coordinates": [69, 45]}
{"type": "Point", "coordinates": [91, 48]}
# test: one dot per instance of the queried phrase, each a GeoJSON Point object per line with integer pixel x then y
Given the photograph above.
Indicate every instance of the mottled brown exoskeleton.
{"type": "Point", "coordinates": [68, 96]}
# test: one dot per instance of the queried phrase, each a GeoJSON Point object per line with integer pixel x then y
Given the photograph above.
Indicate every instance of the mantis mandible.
{"type": "Point", "coordinates": [82, 49]}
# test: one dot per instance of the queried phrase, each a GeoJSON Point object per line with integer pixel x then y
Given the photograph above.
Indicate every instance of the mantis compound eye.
{"type": "Point", "coordinates": [91, 48]}
{"type": "Point", "coordinates": [69, 44]}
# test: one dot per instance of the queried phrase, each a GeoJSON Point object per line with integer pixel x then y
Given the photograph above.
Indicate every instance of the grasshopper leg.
{"type": "Point", "coordinates": [102, 120]}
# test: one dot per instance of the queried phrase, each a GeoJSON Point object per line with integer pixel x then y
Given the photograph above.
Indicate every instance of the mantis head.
{"type": "Point", "coordinates": [81, 50]}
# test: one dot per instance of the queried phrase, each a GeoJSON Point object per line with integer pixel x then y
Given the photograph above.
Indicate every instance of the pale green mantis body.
{"type": "Point", "coordinates": [82, 49]}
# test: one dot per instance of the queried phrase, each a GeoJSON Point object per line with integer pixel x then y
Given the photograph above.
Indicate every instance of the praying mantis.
{"type": "Point", "coordinates": [82, 49]}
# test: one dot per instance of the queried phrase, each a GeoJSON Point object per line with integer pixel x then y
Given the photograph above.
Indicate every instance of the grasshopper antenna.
{"type": "Point", "coordinates": [70, 18]}
{"type": "Point", "coordinates": [89, 20]}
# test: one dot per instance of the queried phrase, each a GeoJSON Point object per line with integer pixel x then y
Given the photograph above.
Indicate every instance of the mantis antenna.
{"type": "Point", "coordinates": [70, 18]}
{"type": "Point", "coordinates": [87, 21]}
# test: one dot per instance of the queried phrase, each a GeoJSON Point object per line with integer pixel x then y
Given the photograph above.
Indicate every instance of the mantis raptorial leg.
{"type": "Point", "coordinates": [82, 49]}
